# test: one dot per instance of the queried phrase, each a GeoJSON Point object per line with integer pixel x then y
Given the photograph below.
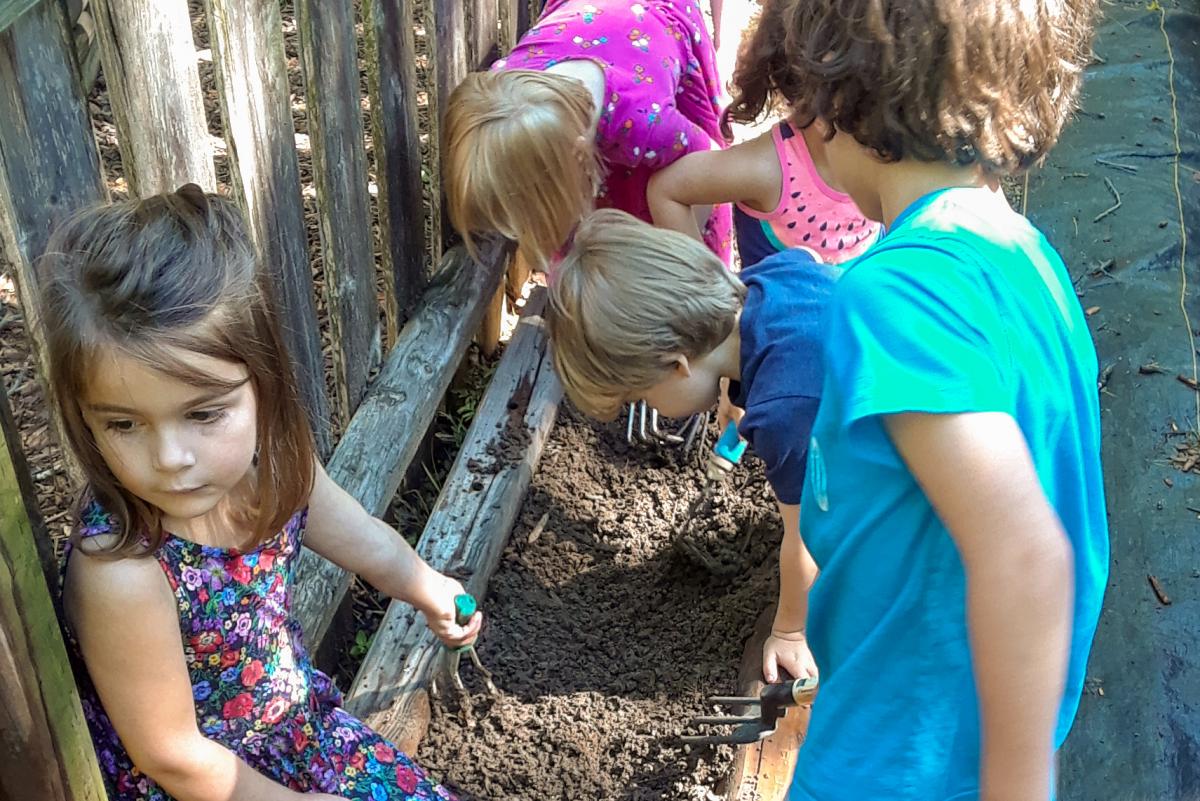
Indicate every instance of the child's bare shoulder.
{"type": "Point", "coordinates": [99, 587]}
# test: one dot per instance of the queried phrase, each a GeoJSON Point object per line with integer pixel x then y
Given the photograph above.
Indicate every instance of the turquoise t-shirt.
{"type": "Point", "coordinates": [962, 307]}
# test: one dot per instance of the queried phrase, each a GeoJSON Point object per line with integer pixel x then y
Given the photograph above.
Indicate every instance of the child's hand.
{"type": "Point", "coordinates": [726, 411]}
{"type": "Point", "coordinates": [787, 650]}
{"type": "Point", "coordinates": [439, 616]}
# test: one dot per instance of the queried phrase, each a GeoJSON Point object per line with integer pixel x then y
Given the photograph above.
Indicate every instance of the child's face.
{"type": "Point", "coordinates": [178, 447]}
{"type": "Point", "coordinates": [687, 388]}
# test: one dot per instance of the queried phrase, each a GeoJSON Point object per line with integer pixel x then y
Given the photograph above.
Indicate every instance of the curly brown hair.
{"type": "Point", "coordinates": [971, 82]}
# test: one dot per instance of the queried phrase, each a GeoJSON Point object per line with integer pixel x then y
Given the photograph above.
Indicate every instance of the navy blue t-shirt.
{"type": "Point", "coordinates": [781, 352]}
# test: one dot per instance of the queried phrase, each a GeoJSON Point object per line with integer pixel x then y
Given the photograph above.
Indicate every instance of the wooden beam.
{"type": "Point", "coordinates": [392, 85]}
{"type": "Point", "coordinates": [450, 48]}
{"type": "Point", "coordinates": [247, 46]}
{"type": "Point", "coordinates": [45, 749]}
{"type": "Point", "coordinates": [11, 9]}
{"type": "Point", "coordinates": [339, 160]}
{"type": "Point", "coordinates": [386, 431]}
{"type": "Point", "coordinates": [763, 771]}
{"type": "Point", "coordinates": [484, 34]}
{"type": "Point", "coordinates": [149, 62]}
{"type": "Point", "coordinates": [528, 12]}
{"type": "Point", "coordinates": [468, 528]}
{"type": "Point", "coordinates": [49, 165]}
{"type": "Point", "coordinates": [488, 337]}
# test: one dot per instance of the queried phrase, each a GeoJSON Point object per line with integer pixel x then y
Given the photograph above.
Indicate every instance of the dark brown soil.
{"type": "Point", "coordinates": [603, 639]}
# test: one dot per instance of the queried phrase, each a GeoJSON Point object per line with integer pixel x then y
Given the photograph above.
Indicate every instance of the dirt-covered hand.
{"type": "Point", "coordinates": [440, 616]}
{"type": "Point", "coordinates": [787, 650]}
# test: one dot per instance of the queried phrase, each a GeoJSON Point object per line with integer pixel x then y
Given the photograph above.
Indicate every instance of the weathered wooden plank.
{"type": "Point", "coordinates": [468, 528]}
{"type": "Point", "coordinates": [510, 21]}
{"type": "Point", "coordinates": [49, 165]}
{"type": "Point", "coordinates": [386, 431]}
{"type": "Point", "coordinates": [527, 12]}
{"type": "Point", "coordinates": [763, 771]}
{"type": "Point", "coordinates": [11, 9]}
{"type": "Point", "coordinates": [450, 48]}
{"type": "Point", "coordinates": [247, 46]}
{"type": "Point", "coordinates": [327, 51]}
{"type": "Point", "coordinates": [153, 83]}
{"type": "Point", "coordinates": [392, 86]}
{"type": "Point", "coordinates": [45, 750]}
{"type": "Point", "coordinates": [484, 35]}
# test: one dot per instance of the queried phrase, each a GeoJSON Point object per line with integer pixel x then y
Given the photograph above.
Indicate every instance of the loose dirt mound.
{"type": "Point", "coordinates": [603, 639]}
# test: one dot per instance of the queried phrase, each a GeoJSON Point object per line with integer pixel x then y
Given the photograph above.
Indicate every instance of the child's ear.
{"type": "Point", "coordinates": [681, 366]}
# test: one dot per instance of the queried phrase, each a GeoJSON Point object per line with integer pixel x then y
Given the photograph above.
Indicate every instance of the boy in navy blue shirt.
{"type": "Point", "coordinates": [642, 313]}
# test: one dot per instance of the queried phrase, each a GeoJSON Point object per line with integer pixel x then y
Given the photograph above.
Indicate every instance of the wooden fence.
{"type": "Point", "coordinates": [413, 332]}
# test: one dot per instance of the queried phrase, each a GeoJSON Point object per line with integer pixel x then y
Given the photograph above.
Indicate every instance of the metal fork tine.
{"type": "Point", "coordinates": [725, 721]}
{"type": "Point", "coordinates": [629, 425]}
{"type": "Point", "coordinates": [642, 422]}
{"type": "Point", "coordinates": [735, 700]}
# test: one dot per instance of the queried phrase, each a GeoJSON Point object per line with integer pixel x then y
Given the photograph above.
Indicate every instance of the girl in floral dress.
{"type": "Point", "coordinates": [595, 98]}
{"type": "Point", "coordinates": [173, 387]}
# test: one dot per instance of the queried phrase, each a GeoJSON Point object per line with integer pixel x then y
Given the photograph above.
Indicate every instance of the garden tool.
{"type": "Point", "coordinates": [772, 704]}
{"type": "Point", "coordinates": [721, 461]}
{"type": "Point", "coordinates": [643, 425]}
{"type": "Point", "coordinates": [464, 609]}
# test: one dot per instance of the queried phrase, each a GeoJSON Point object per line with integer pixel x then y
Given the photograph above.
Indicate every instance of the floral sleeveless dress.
{"type": "Point", "coordinates": [255, 689]}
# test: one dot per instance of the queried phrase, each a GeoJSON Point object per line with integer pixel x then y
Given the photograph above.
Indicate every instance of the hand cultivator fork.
{"type": "Point", "coordinates": [721, 461]}
{"type": "Point", "coordinates": [464, 609]}
{"type": "Point", "coordinates": [772, 704]}
{"type": "Point", "coordinates": [643, 426]}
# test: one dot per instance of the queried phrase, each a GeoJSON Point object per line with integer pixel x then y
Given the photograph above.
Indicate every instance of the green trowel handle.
{"type": "Point", "coordinates": [730, 446]}
{"type": "Point", "coordinates": [465, 607]}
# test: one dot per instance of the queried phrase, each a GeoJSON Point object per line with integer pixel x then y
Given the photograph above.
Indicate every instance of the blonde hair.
{"type": "Point", "coordinates": [626, 299]}
{"type": "Point", "coordinates": [149, 278]}
{"type": "Point", "coordinates": [520, 159]}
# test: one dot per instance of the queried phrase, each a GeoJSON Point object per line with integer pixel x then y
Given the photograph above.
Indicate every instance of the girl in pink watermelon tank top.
{"type": "Point", "coordinates": [782, 197]}
{"type": "Point", "coordinates": [781, 200]}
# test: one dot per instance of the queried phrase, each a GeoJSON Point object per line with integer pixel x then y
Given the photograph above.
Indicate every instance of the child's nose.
{"type": "Point", "coordinates": [172, 453]}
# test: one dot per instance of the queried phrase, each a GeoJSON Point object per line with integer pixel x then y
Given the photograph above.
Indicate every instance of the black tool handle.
{"type": "Point", "coordinates": [790, 693]}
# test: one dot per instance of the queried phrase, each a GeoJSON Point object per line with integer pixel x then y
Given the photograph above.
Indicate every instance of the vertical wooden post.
{"type": "Point", "coordinates": [327, 49]}
{"type": "Point", "coordinates": [510, 23]}
{"type": "Point", "coordinates": [49, 165]}
{"type": "Point", "coordinates": [450, 50]}
{"type": "Point", "coordinates": [45, 750]}
{"type": "Point", "coordinates": [247, 37]}
{"type": "Point", "coordinates": [529, 11]}
{"type": "Point", "coordinates": [392, 84]}
{"type": "Point", "coordinates": [484, 35]}
{"type": "Point", "coordinates": [150, 68]}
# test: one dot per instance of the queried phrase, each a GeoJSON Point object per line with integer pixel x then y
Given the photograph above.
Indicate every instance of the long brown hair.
{"type": "Point", "coordinates": [971, 83]}
{"type": "Point", "coordinates": [150, 278]}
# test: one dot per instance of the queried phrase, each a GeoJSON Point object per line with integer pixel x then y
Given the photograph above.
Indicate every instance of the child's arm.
{"type": "Point", "coordinates": [787, 647]}
{"type": "Point", "coordinates": [342, 531]}
{"type": "Point", "coordinates": [124, 616]}
{"type": "Point", "coordinates": [977, 472]}
{"type": "Point", "coordinates": [747, 173]}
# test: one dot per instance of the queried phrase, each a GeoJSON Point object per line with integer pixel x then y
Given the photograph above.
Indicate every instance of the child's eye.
{"type": "Point", "coordinates": [119, 426]}
{"type": "Point", "coordinates": [207, 415]}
